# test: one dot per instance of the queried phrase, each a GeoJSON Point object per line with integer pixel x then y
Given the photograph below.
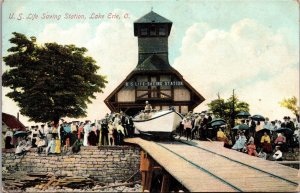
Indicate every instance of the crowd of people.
{"type": "Point", "coordinates": [53, 139]}
{"type": "Point", "coordinates": [257, 138]}
{"type": "Point", "coordinates": [265, 139]}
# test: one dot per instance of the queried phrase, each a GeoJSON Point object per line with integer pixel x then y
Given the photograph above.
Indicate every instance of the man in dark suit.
{"type": "Point", "coordinates": [123, 120]}
{"type": "Point", "coordinates": [129, 126]}
{"type": "Point", "coordinates": [203, 126]}
{"type": "Point", "coordinates": [287, 124]}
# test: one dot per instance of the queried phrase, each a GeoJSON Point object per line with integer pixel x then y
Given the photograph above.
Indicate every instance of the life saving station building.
{"type": "Point", "coordinates": [153, 79]}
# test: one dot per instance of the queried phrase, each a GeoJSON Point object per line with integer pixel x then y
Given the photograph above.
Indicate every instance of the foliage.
{"type": "Point", "coordinates": [228, 109]}
{"type": "Point", "coordinates": [291, 104]}
{"type": "Point", "coordinates": [50, 81]}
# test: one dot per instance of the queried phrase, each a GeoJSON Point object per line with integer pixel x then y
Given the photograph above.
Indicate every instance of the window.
{"type": "Point", "coordinates": [153, 31]}
{"type": "Point", "coordinates": [144, 31]}
{"type": "Point", "coordinates": [162, 31]}
{"type": "Point", "coordinates": [152, 88]}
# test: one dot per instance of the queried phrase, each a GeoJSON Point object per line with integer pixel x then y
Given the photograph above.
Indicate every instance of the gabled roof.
{"type": "Point", "coordinates": [134, 72]}
{"type": "Point", "coordinates": [153, 62]}
{"type": "Point", "coordinates": [152, 17]}
{"type": "Point", "coordinates": [12, 122]}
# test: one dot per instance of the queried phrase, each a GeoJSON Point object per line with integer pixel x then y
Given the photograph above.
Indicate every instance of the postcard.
{"type": "Point", "coordinates": [150, 96]}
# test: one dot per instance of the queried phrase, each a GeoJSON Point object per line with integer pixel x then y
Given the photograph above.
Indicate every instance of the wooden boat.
{"type": "Point", "coordinates": [161, 124]}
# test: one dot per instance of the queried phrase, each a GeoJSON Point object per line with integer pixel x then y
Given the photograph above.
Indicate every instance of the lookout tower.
{"type": "Point", "coordinates": [153, 31]}
{"type": "Point", "coordinates": [153, 79]}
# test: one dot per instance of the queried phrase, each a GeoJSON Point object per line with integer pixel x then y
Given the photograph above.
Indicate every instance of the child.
{"type": "Point", "coordinates": [57, 145]}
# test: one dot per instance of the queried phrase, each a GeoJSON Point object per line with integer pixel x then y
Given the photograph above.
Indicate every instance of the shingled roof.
{"type": "Point", "coordinates": [152, 17]}
{"type": "Point", "coordinates": [153, 62]}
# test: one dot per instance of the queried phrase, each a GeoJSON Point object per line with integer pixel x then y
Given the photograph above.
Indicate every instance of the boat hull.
{"type": "Point", "coordinates": [161, 124]}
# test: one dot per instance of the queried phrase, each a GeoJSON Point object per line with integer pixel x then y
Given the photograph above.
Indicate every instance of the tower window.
{"type": "Point", "coordinates": [153, 31]}
{"type": "Point", "coordinates": [144, 31]}
{"type": "Point", "coordinates": [162, 31]}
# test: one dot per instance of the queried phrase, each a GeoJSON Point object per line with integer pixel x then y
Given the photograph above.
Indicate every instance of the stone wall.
{"type": "Point", "coordinates": [106, 163]}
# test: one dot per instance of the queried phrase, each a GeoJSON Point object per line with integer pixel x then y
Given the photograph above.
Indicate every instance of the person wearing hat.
{"type": "Point", "coordinates": [22, 146]}
{"type": "Point", "coordinates": [40, 142]}
{"type": "Point", "coordinates": [240, 142]}
{"type": "Point", "coordinates": [42, 129]}
{"type": "Point", "coordinates": [87, 130]}
{"type": "Point", "coordinates": [285, 122]}
{"type": "Point", "coordinates": [266, 143]}
{"type": "Point", "coordinates": [8, 137]}
{"type": "Point", "coordinates": [195, 130]}
{"type": "Point", "coordinates": [103, 139]}
{"type": "Point", "coordinates": [129, 126]}
{"type": "Point", "coordinates": [80, 131]}
{"type": "Point", "coordinates": [280, 140]}
{"type": "Point", "coordinates": [251, 149]}
{"type": "Point", "coordinates": [123, 120]}
{"type": "Point", "coordinates": [51, 146]}
{"type": "Point", "coordinates": [209, 117]}
{"type": "Point", "coordinates": [34, 135]}
{"type": "Point", "coordinates": [117, 119]}
{"type": "Point", "coordinates": [73, 127]}
{"type": "Point", "coordinates": [187, 126]}
{"type": "Point", "coordinates": [221, 135]}
{"type": "Point", "coordinates": [111, 139]}
{"type": "Point", "coordinates": [252, 125]}
{"type": "Point", "coordinates": [92, 138]}
{"type": "Point", "coordinates": [203, 126]}
{"type": "Point", "coordinates": [121, 134]}
{"type": "Point", "coordinates": [46, 132]}
{"type": "Point", "coordinates": [147, 108]}
{"type": "Point", "coordinates": [291, 124]}
{"type": "Point", "coordinates": [278, 154]}
{"type": "Point", "coordinates": [57, 145]}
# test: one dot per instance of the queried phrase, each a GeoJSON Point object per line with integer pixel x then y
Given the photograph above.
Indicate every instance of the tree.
{"type": "Point", "coordinates": [291, 104]}
{"type": "Point", "coordinates": [50, 81]}
{"type": "Point", "coordinates": [228, 109]}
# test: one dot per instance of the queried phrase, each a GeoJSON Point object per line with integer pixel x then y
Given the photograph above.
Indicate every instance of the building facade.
{"type": "Point", "coordinates": [153, 79]}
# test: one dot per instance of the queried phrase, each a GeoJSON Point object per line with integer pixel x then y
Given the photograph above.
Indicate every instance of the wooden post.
{"type": "Point", "coordinates": [165, 183]}
{"type": "Point", "coordinates": [146, 171]}
{"type": "Point", "coordinates": [149, 180]}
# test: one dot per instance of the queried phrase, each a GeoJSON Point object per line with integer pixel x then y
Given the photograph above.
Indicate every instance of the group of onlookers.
{"type": "Point", "coordinates": [51, 138]}
{"type": "Point", "coordinates": [258, 138]}
{"type": "Point", "coordinates": [265, 138]}
{"type": "Point", "coordinates": [196, 126]}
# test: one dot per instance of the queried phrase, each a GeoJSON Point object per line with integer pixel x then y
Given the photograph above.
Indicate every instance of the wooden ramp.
{"type": "Point", "coordinates": [203, 166]}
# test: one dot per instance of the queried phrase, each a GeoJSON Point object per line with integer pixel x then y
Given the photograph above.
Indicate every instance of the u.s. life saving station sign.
{"type": "Point", "coordinates": [161, 83]}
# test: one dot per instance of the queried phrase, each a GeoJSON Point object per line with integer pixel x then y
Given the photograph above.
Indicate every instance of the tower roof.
{"type": "Point", "coordinates": [153, 62]}
{"type": "Point", "coordinates": [152, 17]}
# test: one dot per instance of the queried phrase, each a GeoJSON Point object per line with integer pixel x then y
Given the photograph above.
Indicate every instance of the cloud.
{"type": "Point", "coordinates": [117, 55]}
{"type": "Point", "coordinates": [112, 45]}
{"type": "Point", "coordinates": [77, 34]}
{"type": "Point", "coordinates": [252, 59]}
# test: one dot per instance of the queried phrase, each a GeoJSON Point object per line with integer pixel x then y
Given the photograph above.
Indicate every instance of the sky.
{"type": "Point", "coordinates": [218, 45]}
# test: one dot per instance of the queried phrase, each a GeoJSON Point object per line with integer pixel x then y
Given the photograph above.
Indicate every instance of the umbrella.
{"type": "Point", "coordinates": [216, 120]}
{"type": "Point", "coordinates": [241, 126]}
{"type": "Point", "coordinates": [243, 114]}
{"type": "Point", "coordinates": [263, 130]}
{"type": "Point", "coordinates": [20, 133]}
{"type": "Point", "coordinates": [218, 123]}
{"type": "Point", "coordinates": [258, 118]}
{"type": "Point", "coordinates": [283, 129]}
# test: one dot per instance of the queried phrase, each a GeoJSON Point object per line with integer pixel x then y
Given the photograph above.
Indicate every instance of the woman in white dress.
{"type": "Point", "coordinates": [86, 134]}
